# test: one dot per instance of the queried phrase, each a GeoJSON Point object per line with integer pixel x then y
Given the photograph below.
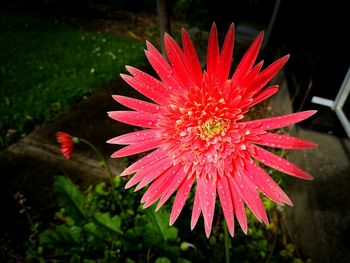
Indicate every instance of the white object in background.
{"type": "Point", "coordinates": [338, 103]}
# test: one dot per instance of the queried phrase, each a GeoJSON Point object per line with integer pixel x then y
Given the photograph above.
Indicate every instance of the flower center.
{"type": "Point", "coordinates": [213, 127]}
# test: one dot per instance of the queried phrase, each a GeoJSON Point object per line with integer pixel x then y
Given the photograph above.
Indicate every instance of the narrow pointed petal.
{"type": "Point", "coordinates": [213, 51]}
{"type": "Point", "coordinates": [135, 118]}
{"type": "Point", "coordinates": [254, 198]}
{"type": "Point", "coordinates": [162, 68]}
{"type": "Point", "coordinates": [157, 188]}
{"type": "Point", "coordinates": [152, 168]}
{"type": "Point", "coordinates": [279, 163]}
{"type": "Point", "coordinates": [161, 167]}
{"type": "Point", "coordinates": [180, 199]}
{"type": "Point", "coordinates": [246, 195]}
{"type": "Point", "coordinates": [136, 148]}
{"type": "Point", "coordinates": [147, 160]}
{"type": "Point", "coordinates": [136, 137]}
{"type": "Point", "coordinates": [267, 74]}
{"type": "Point", "coordinates": [138, 105]}
{"type": "Point", "coordinates": [153, 192]}
{"type": "Point", "coordinates": [176, 59]}
{"type": "Point", "coordinates": [171, 188]}
{"type": "Point", "coordinates": [284, 141]}
{"type": "Point", "coordinates": [265, 94]}
{"type": "Point", "coordinates": [248, 60]}
{"type": "Point", "coordinates": [207, 196]}
{"type": "Point", "coordinates": [146, 85]}
{"type": "Point", "coordinates": [281, 121]}
{"type": "Point", "coordinates": [246, 82]}
{"type": "Point", "coordinates": [226, 203]}
{"type": "Point", "coordinates": [196, 210]}
{"type": "Point", "coordinates": [192, 61]}
{"type": "Point", "coordinates": [226, 56]}
{"type": "Point", "coordinates": [265, 184]}
{"type": "Point", "coordinates": [238, 206]}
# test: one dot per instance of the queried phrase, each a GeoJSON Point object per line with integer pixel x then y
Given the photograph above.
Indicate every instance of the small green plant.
{"type": "Point", "coordinates": [92, 226]}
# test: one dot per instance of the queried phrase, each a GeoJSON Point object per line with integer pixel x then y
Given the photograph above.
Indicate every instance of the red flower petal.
{"type": "Point", "coordinates": [207, 196]}
{"type": "Point", "coordinates": [147, 85]}
{"type": "Point", "coordinates": [192, 62]}
{"type": "Point", "coordinates": [279, 163]}
{"type": "Point", "coordinates": [226, 203]}
{"type": "Point", "coordinates": [266, 75]}
{"type": "Point", "coordinates": [158, 187]}
{"type": "Point", "coordinates": [135, 118]}
{"type": "Point", "coordinates": [180, 199]}
{"type": "Point", "coordinates": [226, 56]}
{"type": "Point", "coordinates": [177, 61]}
{"type": "Point", "coordinates": [238, 205]}
{"type": "Point", "coordinates": [137, 105]}
{"type": "Point", "coordinates": [196, 210]}
{"type": "Point", "coordinates": [171, 188]}
{"type": "Point", "coordinates": [265, 94]}
{"type": "Point", "coordinates": [136, 148]}
{"type": "Point", "coordinates": [147, 160]}
{"type": "Point", "coordinates": [248, 60]}
{"type": "Point", "coordinates": [136, 137]}
{"type": "Point", "coordinates": [67, 144]}
{"type": "Point", "coordinates": [284, 141]}
{"type": "Point", "coordinates": [281, 121]}
{"type": "Point", "coordinates": [155, 169]}
{"type": "Point", "coordinates": [213, 55]}
{"type": "Point", "coordinates": [162, 68]}
{"type": "Point", "coordinates": [265, 184]}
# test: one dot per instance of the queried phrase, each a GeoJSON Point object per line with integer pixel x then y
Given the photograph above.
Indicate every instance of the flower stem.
{"type": "Point", "coordinates": [104, 162]}
{"type": "Point", "coordinates": [227, 244]}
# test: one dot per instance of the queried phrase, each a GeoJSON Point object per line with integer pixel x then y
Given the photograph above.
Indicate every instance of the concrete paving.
{"type": "Point", "coordinates": [320, 218]}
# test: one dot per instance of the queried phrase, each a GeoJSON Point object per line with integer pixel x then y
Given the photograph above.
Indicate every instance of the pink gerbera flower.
{"type": "Point", "coordinates": [67, 143]}
{"type": "Point", "coordinates": [196, 126]}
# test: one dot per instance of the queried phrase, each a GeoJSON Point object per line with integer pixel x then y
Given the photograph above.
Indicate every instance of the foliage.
{"type": "Point", "coordinates": [90, 227]}
{"type": "Point", "coordinates": [97, 226]}
{"type": "Point", "coordinates": [46, 66]}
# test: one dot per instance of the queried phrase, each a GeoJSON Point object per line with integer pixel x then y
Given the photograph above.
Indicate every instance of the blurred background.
{"type": "Point", "coordinates": [59, 65]}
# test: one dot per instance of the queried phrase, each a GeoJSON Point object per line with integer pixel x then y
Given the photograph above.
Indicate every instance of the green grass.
{"type": "Point", "coordinates": [45, 67]}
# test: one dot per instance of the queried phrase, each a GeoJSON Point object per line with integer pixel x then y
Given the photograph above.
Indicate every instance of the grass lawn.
{"type": "Point", "coordinates": [45, 67]}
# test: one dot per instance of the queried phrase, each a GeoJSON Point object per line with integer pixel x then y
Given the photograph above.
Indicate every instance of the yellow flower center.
{"type": "Point", "coordinates": [213, 127]}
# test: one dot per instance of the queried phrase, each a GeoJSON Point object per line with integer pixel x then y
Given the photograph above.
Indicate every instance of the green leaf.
{"type": "Point", "coordinates": [93, 230]}
{"type": "Point", "coordinates": [107, 222]}
{"type": "Point", "coordinates": [62, 234]}
{"type": "Point", "coordinates": [100, 189]}
{"type": "Point", "coordinates": [75, 259]}
{"type": "Point", "coordinates": [160, 222]}
{"type": "Point", "coordinates": [162, 260]}
{"type": "Point", "coordinates": [70, 198]}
